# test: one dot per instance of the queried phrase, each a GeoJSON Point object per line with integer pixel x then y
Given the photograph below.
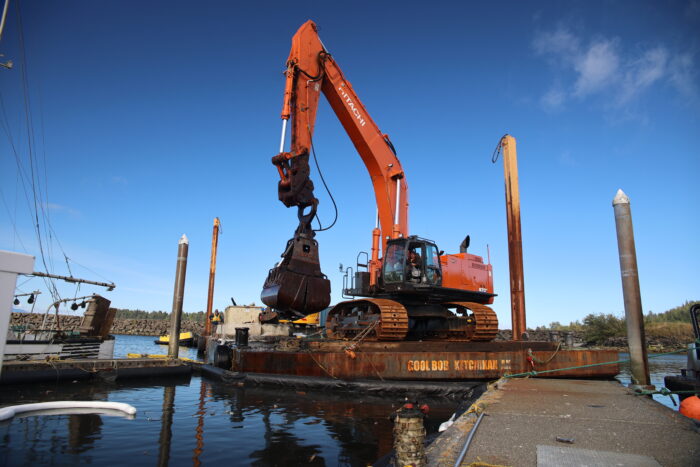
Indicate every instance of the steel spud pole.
{"type": "Point", "coordinates": [178, 296]}
{"type": "Point", "coordinates": [630, 290]}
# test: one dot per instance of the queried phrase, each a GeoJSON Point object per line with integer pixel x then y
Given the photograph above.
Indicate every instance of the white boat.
{"type": "Point", "coordinates": [91, 340]}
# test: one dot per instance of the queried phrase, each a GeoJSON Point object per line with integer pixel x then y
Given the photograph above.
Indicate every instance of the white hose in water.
{"type": "Point", "coordinates": [9, 412]}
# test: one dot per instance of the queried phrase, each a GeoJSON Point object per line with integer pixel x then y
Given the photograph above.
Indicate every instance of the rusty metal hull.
{"type": "Point", "coordinates": [425, 361]}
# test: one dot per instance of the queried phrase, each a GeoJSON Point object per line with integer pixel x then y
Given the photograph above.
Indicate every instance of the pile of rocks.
{"type": "Point", "coordinates": [136, 327]}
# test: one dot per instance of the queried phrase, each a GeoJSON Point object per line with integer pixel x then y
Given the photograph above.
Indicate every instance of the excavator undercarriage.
{"type": "Point", "coordinates": [381, 319]}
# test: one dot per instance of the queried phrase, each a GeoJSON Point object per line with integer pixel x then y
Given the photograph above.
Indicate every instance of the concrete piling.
{"type": "Point", "coordinates": [630, 290]}
{"type": "Point", "coordinates": [178, 296]}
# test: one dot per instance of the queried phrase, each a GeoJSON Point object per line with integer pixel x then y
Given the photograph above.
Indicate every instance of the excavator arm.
{"type": "Point", "coordinates": [310, 71]}
{"type": "Point", "coordinates": [297, 283]}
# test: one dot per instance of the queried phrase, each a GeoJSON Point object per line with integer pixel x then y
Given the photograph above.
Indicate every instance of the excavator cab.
{"type": "Point", "coordinates": [411, 263]}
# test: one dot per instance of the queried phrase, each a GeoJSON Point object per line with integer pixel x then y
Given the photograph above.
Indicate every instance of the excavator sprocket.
{"type": "Point", "coordinates": [368, 319]}
{"type": "Point", "coordinates": [483, 323]}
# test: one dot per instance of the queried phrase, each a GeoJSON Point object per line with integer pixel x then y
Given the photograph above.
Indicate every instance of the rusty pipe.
{"type": "Point", "coordinates": [634, 317]}
{"type": "Point", "coordinates": [515, 238]}
{"type": "Point", "coordinates": [178, 296]}
{"type": "Point", "coordinates": [212, 275]}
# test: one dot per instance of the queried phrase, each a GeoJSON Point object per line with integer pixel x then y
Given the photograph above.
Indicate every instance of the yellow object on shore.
{"type": "Point", "coordinates": [310, 320]}
{"type": "Point", "coordinates": [147, 355]}
{"type": "Point", "coordinates": [183, 336]}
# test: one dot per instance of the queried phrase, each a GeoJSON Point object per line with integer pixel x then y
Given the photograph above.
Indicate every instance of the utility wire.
{"type": "Point", "coordinates": [32, 163]}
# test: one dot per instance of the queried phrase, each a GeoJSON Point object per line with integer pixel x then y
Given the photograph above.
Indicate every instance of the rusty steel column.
{"type": "Point", "coordinates": [515, 239]}
{"type": "Point", "coordinates": [178, 296]}
{"type": "Point", "coordinates": [212, 274]}
{"type": "Point", "coordinates": [630, 290]}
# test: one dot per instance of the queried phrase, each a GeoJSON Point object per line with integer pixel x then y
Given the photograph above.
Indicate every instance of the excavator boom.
{"type": "Point", "coordinates": [310, 71]}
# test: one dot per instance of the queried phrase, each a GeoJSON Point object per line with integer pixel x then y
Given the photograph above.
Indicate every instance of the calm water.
{"type": "Point", "coordinates": [192, 421]}
{"type": "Point", "coordinates": [659, 367]}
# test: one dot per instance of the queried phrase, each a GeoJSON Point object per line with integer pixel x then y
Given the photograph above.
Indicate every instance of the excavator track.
{"type": "Point", "coordinates": [369, 319]}
{"type": "Point", "coordinates": [393, 324]}
{"type": "Point", "coordinates": [483, 324]}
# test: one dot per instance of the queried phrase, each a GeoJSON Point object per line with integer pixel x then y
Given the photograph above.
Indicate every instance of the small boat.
{"type": "Point", "coordinates": [91, 340]}
{"type": "Point", "coordinates": [187, 339]}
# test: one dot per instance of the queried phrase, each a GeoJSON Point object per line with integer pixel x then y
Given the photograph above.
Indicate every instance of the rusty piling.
{"type": "Point", "coordinates": [178, 296]}
{"type": "Point", "coordinates": [212, 274]}
{"type": "Point", "coordinates": [515, 238]}
{"type": "Point", "coordinates": [630, 290]}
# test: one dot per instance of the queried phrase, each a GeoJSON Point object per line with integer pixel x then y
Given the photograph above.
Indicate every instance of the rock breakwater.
{"type": "Point", "coordinates": [134, 327]}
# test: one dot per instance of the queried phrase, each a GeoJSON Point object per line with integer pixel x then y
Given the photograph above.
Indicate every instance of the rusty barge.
{"type": "Point", "coordinates": [412, 360]}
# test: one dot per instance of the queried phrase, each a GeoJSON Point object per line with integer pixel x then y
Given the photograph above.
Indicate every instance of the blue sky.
{"type": "Point", "coordinates": [151, 118]}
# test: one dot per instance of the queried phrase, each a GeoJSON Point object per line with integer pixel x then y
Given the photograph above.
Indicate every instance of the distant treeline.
{"type": "Point", "coordinates": [598, 328]}
{"type": "Point", "coordinates": [141, 314]}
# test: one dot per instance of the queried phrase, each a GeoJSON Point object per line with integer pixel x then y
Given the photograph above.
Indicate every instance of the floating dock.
{"type": "Point", "coordinates": [16, 372]}
{"type": "Point", "coordinates": [548, 422]}
{"type": "Point", "coordinates": [440, 361]}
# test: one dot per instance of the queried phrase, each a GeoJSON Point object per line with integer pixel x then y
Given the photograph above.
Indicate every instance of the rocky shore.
{"type": "Point", "coordinates": [136, 327]}
{"type": "Point", "coordinates": [159, 327]}
{"type": "Point", "coordinates": [654, 344]}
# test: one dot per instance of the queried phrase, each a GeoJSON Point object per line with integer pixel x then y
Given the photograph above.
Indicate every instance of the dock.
{"type": "Point", "coordinates": [564, 422]}
{"type": "Point", "coordinates": [22, 372]}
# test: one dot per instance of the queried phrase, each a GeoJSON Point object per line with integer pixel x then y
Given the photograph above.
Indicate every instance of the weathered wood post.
{"type": "Point", "coordinates": [178, 296]}
{"type": "Point", "coordinates": [515, 238]}
{"type": "Point", "coordinates": [212, 276]}
{"type": "Point", "coordinates": [630, 290]}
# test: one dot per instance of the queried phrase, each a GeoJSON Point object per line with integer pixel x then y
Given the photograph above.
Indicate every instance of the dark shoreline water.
{"type": "Point", "coordinates": [192, 421]}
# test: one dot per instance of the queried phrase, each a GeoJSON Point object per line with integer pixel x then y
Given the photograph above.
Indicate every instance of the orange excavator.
{"type": "Point", "coordinates": [411, 290]}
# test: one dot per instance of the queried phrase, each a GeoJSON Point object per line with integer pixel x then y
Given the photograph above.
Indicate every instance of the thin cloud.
{"type": "Point", "coordinates": [60, 208]}
{"type": "Point", "coordinates": [600, 67]}
{"type": "Point", "coordinates": [597, 67]}
{"type": "Point", "coordinates": [558, 42]}
{"type": "Point", "coordinates": [683, 76]}
{"type": "Point", "coordinates": [120, 180]}
{"type": "Point", "coordinates": [553, 100]}
{"type": "Point", "coordinates": [644, 72]}
{"type": "Point", "coordinates": [567, 159]}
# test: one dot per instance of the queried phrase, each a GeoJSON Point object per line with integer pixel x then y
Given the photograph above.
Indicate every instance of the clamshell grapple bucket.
{"type": "Point", "coordinates": [296, 283]}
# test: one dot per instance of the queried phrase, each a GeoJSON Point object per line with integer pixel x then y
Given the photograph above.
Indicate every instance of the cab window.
{"type": "Point", "coordinates": [394, 263]}
{"type": "Point", "coordinates": [432, 264]}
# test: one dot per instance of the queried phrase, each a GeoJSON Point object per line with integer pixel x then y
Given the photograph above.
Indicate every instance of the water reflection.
{"type": "Point", "coordinates": [82, 432]}
{"type": "Point", "coordinates": [199, 432]}
{"type": "Point", "coordinates": [201, 422]}
{"type": "Point", "coordinates": [166, 427]}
